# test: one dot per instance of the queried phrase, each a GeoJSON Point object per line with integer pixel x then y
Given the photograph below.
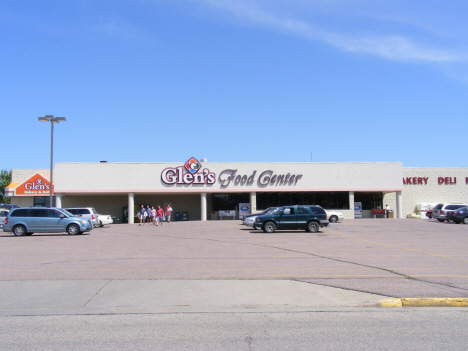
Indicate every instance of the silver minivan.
{"type": "Point", "coordinates": [28, 220]}
{"type": "Point", "coordinates": [85, 212]}
{"type": "Point", "coordinates": [439, 211]}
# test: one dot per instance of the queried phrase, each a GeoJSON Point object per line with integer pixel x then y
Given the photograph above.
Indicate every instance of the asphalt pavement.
{"type": "Point", "coordinates": [224, 266]}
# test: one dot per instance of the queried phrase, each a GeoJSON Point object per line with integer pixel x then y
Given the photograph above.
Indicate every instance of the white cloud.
{"type": "Point", "coordinates": [385, 43]}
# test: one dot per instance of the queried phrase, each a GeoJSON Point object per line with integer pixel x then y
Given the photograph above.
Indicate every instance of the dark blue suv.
{"type": "Point", "coordinates": [310, 218]}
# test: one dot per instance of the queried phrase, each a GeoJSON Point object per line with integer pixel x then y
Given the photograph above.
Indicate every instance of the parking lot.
{"type": "Point", "coordinates": [392, 257]}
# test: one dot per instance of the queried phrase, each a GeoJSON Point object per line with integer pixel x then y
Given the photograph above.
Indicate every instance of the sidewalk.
{"type": "Point", "coordinates": [52, 297]}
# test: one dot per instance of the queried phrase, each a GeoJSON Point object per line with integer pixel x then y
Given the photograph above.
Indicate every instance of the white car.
{"type": "Point", "coordinates": [104, 219]}
{"type": "Point", "coordinates": [334, 216]}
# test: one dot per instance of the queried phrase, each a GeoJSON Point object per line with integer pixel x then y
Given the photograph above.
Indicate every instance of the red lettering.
{"type": "Point", "coordinates": [426, 178]}
{"type": "Point", "coordinates": [447, 180]}
{"type": "Point", "coordinates": [408, 180]}
{"type": "Point", "coordinates": [419, 180]}
{"type": "Point", "coordinates": [466, 180]}
{"type": "Point", "coordinates": [440, 180]}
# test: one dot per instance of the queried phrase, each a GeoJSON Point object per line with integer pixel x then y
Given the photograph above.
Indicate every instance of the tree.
{"type": "Point", "coordinates": [5, 180]}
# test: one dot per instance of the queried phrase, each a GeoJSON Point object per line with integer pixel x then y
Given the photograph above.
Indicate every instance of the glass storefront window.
{"type": "Point", "coordinates": [334, 200]}
{"type": "Point", "coordinates": [369, 201]}
{"type": "Point", "coordinates": [43, 201]}
{"type": "Point", "coordinates": [229, 201]}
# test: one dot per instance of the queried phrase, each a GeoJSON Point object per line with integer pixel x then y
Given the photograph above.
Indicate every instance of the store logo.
{"type": "Point", "coordinates": [188, 174]}
{"type": "Point", "coordinates": [192, 165]}
{"type": "Point", "coordinates": [36, 185]}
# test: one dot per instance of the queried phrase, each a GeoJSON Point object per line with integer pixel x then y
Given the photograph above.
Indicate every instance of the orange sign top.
{"type": "Point", "coordinates": [36, 185]}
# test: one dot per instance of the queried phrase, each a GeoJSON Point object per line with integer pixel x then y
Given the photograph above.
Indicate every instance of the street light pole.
{"type": "Point", "coordinates": [52, 120]}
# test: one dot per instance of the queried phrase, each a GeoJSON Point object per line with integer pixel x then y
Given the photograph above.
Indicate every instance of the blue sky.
{"type": "Point", "coordinates": [234, 81]}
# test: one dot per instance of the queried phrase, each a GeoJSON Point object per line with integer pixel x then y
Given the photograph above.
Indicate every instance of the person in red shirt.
{"type": "Point", "coordinates": [160, 214]}
{"type": "Point", "coordinates": [168, 213]}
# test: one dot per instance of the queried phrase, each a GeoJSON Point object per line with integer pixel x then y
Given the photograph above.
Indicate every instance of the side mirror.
{"type": "Point", "coordinates": [62, 216]}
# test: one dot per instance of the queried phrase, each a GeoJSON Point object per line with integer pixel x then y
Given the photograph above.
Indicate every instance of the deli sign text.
{"type": "Point", "coordinates": [424, 180]}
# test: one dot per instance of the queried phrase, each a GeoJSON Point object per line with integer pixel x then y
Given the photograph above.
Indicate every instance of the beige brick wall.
{"type": "Point", "coordinates": [22, 175]}
{"type": "Point", "coordinates": [433, 192]}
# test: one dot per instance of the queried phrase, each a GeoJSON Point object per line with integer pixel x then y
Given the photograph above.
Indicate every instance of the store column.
{"type": "Point", "coordinates": [253, 202]}
{"type": "Point", "coordinates": [131, 208]}
{"type": "Point", "coordinates": [399, 205]}
{"type": "Point", "coordinates": [203, 206]}
{"type": "Point", "coordinates": [351, 202]}
{"type": "Point", "coordinates": [58, 200]}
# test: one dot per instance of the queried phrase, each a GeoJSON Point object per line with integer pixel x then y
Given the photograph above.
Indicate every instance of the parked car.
{"type": "Point", "coordinates": [28, 220]}
{"type": "Point", "coordinates": [250, 219]}
{"type": "Point", "coordinates": [4, 209]}
{"type": "Point", "coordinates": [3, 214]}
{"type": "Point", "coordinates": [460, 215]}
{"type": "Point", "coordinates": [310, 218]}
{"type": "Point", "coordinates": [439, 211]}
{"type": "Point", "coordinates": [429, 213]}
{"type": "Point", "coordinates": [334, 216]}
{"type": "Point", "coordinates": [104, 219]}
{"type": "Point", "coordinates": [85, 212]}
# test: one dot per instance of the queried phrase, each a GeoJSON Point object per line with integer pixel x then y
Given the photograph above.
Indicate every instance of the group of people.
{"type": "Point", "coordinates": [154, 216]}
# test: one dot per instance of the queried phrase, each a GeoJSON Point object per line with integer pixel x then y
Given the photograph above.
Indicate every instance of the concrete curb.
{"type": "Point", "coordinates": [426, 302]}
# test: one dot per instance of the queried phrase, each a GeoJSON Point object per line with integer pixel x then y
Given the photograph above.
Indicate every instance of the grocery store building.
{"type": "Point", "coordinates": [210, 191]}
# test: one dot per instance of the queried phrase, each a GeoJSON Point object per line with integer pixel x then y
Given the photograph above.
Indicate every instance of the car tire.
{"type": "Point", "coordinates": [440, 220]}
{"type": "Point", "coordinates": [465, 220]}
{"type": "Point", "coordinates": [19, 230]}
{"type": "Point", "coordinates": [100, 224]}
{"type": "Point", "coordinates": [333, 219]}
{"type": "Point", "coordinates": [313, 227]}
{"type": "Point", "coordinates": [73, 229]}
{"type": "Point", "coordinates": [269, 227]}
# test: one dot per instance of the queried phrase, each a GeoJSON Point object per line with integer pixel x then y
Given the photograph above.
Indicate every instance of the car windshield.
{"type": "Point", "coordinates": [453, 207]}
{"type": "Point", "coordinates": [274, 210]}
{"type": "Point", "coordinates": [67, 213]}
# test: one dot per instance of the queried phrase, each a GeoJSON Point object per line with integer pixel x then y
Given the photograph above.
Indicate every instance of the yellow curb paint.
{"type": "Point", "coordinates": [426, 302]}
{"type": "Point", "coordinates": [435, 302]}
{"type": "Point", "coordinates": [391, 303]}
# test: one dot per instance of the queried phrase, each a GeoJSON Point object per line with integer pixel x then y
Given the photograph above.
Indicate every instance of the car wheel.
{"type": "Point", "coordinates": [269, 227]}
{"type": "Point", "coordinates": [313, 227]}
{"type": "Point", "coordinates": [19, 230]}
{"type": "Point", "coordinates": [440, 220]}
{"type": "Point", "coordinates": [465, 220]}
{"type": "Point", "coordinates": [333, 219]}
{"type": "Point", "coordinates": [73, 229]}
{"type": "Point", "coordinates": [100, 224]}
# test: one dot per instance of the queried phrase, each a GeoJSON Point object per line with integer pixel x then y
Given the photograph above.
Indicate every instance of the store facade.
{"type": "Point", "coordinates": [205, 190]}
